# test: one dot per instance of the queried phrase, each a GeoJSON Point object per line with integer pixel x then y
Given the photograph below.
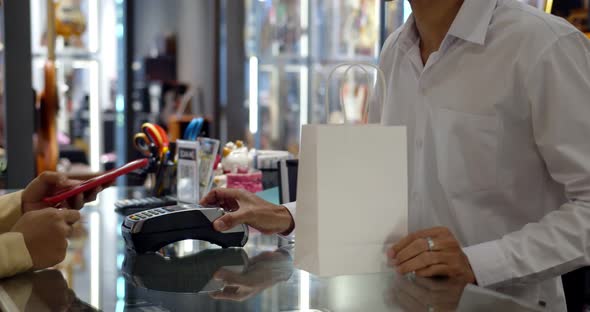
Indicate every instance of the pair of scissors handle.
{"type": "Point", "coordinates": [143, 144]}
{"type": "Point", "coordinates": [157, 135]}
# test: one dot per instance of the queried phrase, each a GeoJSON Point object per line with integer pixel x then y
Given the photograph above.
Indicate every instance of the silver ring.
{"type": "Point", "coordinates": [411, 276]}
{"type": "Point", "coordinates": [430, 243]}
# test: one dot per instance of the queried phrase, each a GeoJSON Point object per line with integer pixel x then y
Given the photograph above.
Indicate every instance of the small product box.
{"type": "Point", "coordinates": [188, 171]}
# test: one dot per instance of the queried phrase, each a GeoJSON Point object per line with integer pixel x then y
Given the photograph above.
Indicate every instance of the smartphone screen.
{"type": "Point", "coordinates": [106, 178]}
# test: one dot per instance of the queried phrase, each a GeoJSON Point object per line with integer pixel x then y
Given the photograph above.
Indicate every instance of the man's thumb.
{"type": "Point", "coordinates": [228, 221]}
{"type": "Point", "coordinates": [70, 216]}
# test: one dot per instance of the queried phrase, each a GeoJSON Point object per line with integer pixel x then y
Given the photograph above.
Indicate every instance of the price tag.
{"type": "Point", "coordinates": [207, 154]}
{"type": "Point", "coordinates": [188, 171]}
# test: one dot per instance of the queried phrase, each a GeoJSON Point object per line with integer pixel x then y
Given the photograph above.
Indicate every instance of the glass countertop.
{"type": "Point", "coordinates": [100, 274]}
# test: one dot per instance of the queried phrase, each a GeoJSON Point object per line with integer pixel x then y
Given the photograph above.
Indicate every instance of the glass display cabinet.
{"type": "Point", "coordinates": [292, 46]}
{"type": "Point", "coordinates": [86, 76]}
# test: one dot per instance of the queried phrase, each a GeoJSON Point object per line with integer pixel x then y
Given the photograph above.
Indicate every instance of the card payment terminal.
{"type": "Point", "coordinates": [150, 230]}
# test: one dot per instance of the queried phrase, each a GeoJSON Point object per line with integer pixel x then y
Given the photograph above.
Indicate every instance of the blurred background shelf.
{"type": "Point", "coordinates": [86, 60]}
{"type": "Point", "coordinates": [255, 69]}
{"type": "Point", "coordinates": [291, 46]}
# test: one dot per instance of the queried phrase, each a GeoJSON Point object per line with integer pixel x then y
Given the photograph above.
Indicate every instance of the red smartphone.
{"type": "Point", "coordinates": [108, 177]}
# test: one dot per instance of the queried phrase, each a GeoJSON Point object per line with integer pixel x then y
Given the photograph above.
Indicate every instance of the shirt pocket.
{"type": "Point", "coordinates": [466, 151]}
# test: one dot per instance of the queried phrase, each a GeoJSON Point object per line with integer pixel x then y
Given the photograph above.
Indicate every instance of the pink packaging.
{"type": "Point", "coordinates": [251, 182]}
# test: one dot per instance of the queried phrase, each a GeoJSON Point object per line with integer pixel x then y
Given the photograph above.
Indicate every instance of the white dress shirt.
{"type": "Point", "coordinates": [499, 131]}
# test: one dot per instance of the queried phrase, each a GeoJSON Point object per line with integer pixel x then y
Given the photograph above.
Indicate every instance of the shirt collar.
{"type": "Point", "coordinates": [473, 20]}
{"type": "Point", "coordinates": [471, 23]}
{"type": "Point", "coordinates": [409, 34]}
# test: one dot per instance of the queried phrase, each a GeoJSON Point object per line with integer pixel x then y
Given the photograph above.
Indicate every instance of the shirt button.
{"type": "Point", "coordinates": [419, 144]}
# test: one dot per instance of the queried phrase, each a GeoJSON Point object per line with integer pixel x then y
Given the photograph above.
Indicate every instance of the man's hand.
{"type": "Point", "coordinates": [446, 258]}
{"type": "Point", "coordinates": [247, 208]}
{"type": "Point", "coordinates": [45, 232]}
{"type": "Point", "coordinates": [263, 271]}
{"type": "Point", "coordinates": [51, 291]}
{"type": "Point", "coordinates": [425, 294]}
{"type": "Point", "coordinates": [49, 183]}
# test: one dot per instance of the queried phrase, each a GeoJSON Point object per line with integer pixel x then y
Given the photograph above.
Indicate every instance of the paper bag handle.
{"type": "Point", "coordinates": [349, 66]}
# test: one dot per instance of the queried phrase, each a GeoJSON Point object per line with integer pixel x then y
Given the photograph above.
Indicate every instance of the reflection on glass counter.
{"type": "Point", "coordinates": [40, 291]}
{"type": "Point", "coordinates": [100, 274]}
{"type": "Point", "coordinates": [265, 282]}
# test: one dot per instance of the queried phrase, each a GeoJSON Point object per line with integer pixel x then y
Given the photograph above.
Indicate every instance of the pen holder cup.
{"type": "Point", "coordinates": [164, 183]}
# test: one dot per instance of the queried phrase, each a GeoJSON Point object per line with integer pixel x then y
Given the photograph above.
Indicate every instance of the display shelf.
{"type": "Point", "coordinates": [277, 46]}
{"type": "Point", "coordinates": [282, 59]}
{"type": "Point", "coordinates": [337, 60]}
{"type": "Point", "coordinates": [337, 43]}
{"type": "Point", "coordinates": [86, 61]}
{"type": "Point", "coordinates": [275, 28]}
{"type": "Point", "coordinates": [79, 96]}
{"type": "Point", "coordinates": [291, 46]}
{"type": "Point", "coordinates": [81, 54]}
{"type": "Point", "coordinates": [345, 29]}
{"type": "Point", "coordinates": [356, 89]}
{"type": "Point", "coordinates": [85, 13]}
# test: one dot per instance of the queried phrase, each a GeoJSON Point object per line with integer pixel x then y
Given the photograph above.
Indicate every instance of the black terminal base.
{"type": "Point", "coordinates": [152, 242]}
{"type": "Point", "coordinates": [187, 274]}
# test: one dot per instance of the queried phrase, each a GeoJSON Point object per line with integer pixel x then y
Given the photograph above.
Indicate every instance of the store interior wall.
{"type": "Point", "coordinates": [153, 19]}
{"type": "Point", "coordinates": [196, 50]}
{"type": "Point", "coordinates": [235, 113]}
{"type": "Point", "coordinates": [19, 116]}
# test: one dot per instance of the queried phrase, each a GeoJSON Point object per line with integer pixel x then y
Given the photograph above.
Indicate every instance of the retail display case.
{"type": "Point", "coordinates": [292, 45]}
{"type": "Point", "coordinates": [86, 62]}
{"type": "Point", "coordinates": [277, 48]}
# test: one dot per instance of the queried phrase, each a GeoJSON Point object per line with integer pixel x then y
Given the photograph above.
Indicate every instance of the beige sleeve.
{"type": "Point", "coordinates": [10, 210]}
{"type": "Point", "coordinates": [14, 256]}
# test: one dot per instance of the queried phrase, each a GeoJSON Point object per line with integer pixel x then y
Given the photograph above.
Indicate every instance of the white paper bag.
{"type": "Point", "coordinates": [351, 198]}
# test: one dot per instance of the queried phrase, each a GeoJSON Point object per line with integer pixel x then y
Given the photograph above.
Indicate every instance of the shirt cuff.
{"type": "Point", "coordinates": [489, 264]}
{"type": "Point", "coordinates": [291, 208]}
{"type": "Point", "coordinates": [15, 256]}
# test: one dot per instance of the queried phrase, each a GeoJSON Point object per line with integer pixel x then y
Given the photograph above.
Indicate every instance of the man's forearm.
{"type": "Point", "coordinates": [557, 244]}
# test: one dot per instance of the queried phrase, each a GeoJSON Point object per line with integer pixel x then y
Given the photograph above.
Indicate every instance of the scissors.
{"type": "Point", "coordinates": [151, 140]}
{"type": "Point", "coordinates": [193, 129]}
